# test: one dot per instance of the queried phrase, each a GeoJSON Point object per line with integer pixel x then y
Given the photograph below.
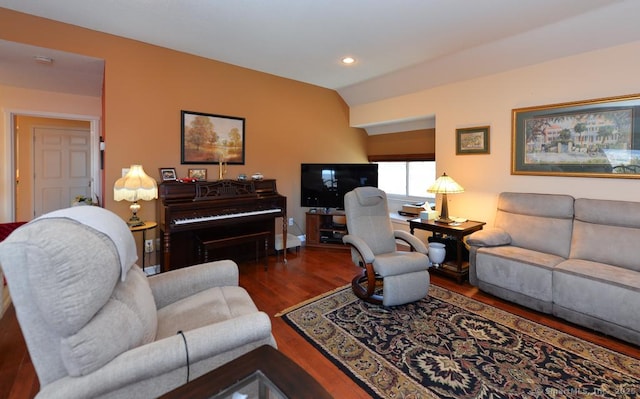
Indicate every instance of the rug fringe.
{"type": "Point", "coordinates": [301, 304]}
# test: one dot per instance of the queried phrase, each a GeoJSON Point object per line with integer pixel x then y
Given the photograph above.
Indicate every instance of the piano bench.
{"type": "Point", "coordinates": [261, 237]}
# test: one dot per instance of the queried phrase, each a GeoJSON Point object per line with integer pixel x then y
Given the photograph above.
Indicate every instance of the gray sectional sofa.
{"type": "Point", "coordinates": [578, 259]}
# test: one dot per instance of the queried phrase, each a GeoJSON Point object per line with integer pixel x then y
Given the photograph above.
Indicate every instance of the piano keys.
{"type": "Point", "coordinates": [192, 213]}
{"type": "Point", "coordinates": [201, 219]}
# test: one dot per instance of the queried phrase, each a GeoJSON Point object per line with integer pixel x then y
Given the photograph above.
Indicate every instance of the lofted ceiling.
{"type": "Point", "coordinates": [400, 46]}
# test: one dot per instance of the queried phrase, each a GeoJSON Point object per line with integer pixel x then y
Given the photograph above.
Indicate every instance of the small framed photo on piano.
{"type": "Point", "coordinates": [198, 174]}
{"type": "Point", "coordinates": [168, 174]}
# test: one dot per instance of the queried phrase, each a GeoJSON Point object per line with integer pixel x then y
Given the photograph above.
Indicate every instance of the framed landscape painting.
{"type": "Point", "coordinates": [594, 138]}
{"type": "Point", "coordinates": [472, 140]}
{"type": "Point", "coordinates": [212, 139]}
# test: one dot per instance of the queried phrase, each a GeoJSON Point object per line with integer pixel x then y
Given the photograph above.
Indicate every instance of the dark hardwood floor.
{"type": "Point", "coordinates": [307, 274]}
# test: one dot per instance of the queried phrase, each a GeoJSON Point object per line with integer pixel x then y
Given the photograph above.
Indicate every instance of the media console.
{"type": "Point", "coordinates": [323, 232]}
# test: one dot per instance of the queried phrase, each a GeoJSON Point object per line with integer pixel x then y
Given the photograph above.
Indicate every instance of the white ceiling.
{"type": "Point", "coordinates": [401, 46]}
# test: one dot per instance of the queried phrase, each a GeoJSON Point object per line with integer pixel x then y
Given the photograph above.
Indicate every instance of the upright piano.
{"type": "Point", "coordinates": [216, 210]}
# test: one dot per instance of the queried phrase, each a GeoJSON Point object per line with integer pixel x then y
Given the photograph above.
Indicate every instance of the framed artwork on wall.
{"type": "Point", "coordinates": [212, 139]}
{"type": "Point", "coordinates": [168, 174]}
{"type": "Point", "coordinates": [593, 138]}
{"type": "Point", "coordinates": [472, 140]}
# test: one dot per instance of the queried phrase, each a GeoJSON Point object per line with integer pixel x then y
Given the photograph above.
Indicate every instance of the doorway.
{"type": "Point", "coordinates": [53, 159]}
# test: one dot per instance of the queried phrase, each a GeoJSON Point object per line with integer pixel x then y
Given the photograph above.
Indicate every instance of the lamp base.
{"type": "Point", "coordinates": [444, 213]}
{"type": "Point", "coordinates": [135, 221]}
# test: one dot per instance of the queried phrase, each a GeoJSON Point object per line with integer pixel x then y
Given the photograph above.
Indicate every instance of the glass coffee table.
{"type": "Point", "coordinates": [256, 385]}
{"type": "Point", "coordinates": [263, 373]}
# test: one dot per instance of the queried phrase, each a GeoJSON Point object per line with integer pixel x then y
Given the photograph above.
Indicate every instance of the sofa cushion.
{"type": "Point", "coordinates": [74, 276]}
{"type": "Point", "coordinates": [127, 320]}
{"type": "Point", "coordinates": [599, 290]}
{"type": "Point", "coordinates": [518, 269]}
{"type": "Point", "coordinates": [206, 307]}
{"type": "Point", "coordinates": [540, 222]}
{"type": "Point", "coordinates": [607, 232]}
{"type": "Point", "coordinates": [107, 223]}
{"type": "Point", "coordinates": [137, 296]}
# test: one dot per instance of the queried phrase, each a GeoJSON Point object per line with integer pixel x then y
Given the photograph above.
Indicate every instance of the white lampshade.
{"type": "Point", "coordinates": [445, 185]}
{"type": "Point", "coordinates": [135, 185]}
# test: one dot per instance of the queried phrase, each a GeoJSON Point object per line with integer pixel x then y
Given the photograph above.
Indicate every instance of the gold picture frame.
{"type": "Point", "coordinates": [592, 138]}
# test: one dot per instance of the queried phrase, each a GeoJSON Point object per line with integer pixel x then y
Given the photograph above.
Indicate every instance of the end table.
{"type": "Point", "coordinates": [460, 268]}
{"type": "Point", "coordinates": [143, 228]}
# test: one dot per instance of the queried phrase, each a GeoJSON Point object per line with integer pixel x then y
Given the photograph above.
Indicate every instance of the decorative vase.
{"type": "Point", "coordinates": [437, 253]}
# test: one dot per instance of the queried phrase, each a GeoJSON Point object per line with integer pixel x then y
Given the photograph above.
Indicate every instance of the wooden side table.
{"type": "Point", "coordinates": [459, 268]}
{"type": "Point", "coordinates": [143, 228]}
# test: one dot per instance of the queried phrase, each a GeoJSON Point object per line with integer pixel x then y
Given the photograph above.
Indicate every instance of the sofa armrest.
{"type": "Point", "coordinates": [177, 284]}
{"type": "Point", "coordinates": [491, 237]}
{"type": "Point", "coordinates": [134, 367]}
{"type": "Point", "coordinates": [412, 240]}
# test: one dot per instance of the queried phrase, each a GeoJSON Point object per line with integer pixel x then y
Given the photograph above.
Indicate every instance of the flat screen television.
{"type": "Point", "coordinates": [323, 185]}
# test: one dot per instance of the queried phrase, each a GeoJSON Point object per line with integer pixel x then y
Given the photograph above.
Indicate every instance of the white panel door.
{"type": "Point", "coordinates": [62, 167]}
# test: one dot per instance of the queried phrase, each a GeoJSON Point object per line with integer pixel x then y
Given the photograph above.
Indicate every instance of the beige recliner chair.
{"type": "Point", "coordinates": [96, 326]}
{"type": "Point", "coordinates": [371, 235]}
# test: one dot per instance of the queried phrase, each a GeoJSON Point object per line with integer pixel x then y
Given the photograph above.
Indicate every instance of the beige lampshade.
{"type": "Point", "coordinates": [445, 185]}
{"type": "Point", "coordinates": [135, 185]}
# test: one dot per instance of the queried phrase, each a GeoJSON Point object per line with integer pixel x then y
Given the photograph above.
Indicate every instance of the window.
{"type": "Point", "coordinates": [406, 178]}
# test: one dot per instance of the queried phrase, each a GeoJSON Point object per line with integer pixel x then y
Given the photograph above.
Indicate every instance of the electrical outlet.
{"type": "Point", "coordinates": [290, 221]}
{"type": "Point", "coordinates": [148, 246]}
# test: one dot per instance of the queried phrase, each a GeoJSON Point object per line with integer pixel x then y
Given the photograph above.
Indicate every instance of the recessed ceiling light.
{"type": "Point", "coordinates": [348, 60]}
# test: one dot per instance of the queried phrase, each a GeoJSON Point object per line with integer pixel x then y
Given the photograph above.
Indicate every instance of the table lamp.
{"type": "Point", "coordinates": [445, 185]}
{"type": "Point", "coordinates": [135, 185]}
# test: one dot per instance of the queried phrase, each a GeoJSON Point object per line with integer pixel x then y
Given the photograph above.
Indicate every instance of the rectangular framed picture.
{"type": "Point", "coordinates": [198, 174]}
{"type": "Point", "coordinates": [211, 139]}
{"type": "Point", "coordinates": [168, 174]}
{"type": "Point", "coordinates": [472, 140]}
{"type": "Point", "coordinates": [594, 138]}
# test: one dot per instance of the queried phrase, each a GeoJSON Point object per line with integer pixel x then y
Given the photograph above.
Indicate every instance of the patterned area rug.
{"type": "Point", "coordinates": [450, 346]}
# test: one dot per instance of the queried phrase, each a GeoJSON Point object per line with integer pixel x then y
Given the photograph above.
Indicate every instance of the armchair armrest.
{"type": "Point", "coordinates": [412, 240]}
{"type": "Point", "coordinates": [361, 246]}
{"type": "Point", "coordinates": [177, 284]}
{"type": "Point", "coordinates": [164, 356]}
{"type": "Point", "coordinates": [492, 237]}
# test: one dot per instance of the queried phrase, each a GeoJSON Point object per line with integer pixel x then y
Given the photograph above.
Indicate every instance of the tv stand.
{"type": "Point", "coordinates": [322, 232]}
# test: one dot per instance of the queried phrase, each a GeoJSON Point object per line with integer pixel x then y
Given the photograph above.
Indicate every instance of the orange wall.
{"type": "Point", "coordinates": [146, 87]}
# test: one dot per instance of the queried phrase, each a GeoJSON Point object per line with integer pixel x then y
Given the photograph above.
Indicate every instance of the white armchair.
{"type": "Point", "coordinates": [403, 274]}
{"type": "Point", "coordinates": [96, 326]}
